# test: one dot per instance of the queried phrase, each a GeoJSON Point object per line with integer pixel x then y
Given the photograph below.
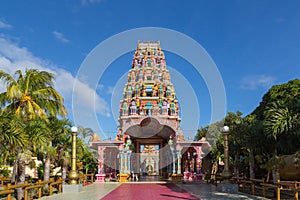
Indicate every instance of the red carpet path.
{"type": "Point", "coordinates": [148, 191]}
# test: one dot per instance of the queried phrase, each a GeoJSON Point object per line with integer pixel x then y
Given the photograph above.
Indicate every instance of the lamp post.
{"type": "Point", "coordinates": [226, 174]}
{"type": "Point", "coordinates": [73, 175]}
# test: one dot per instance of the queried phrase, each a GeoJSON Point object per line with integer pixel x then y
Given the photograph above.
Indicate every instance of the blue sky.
{"type": "Point", "coordinates": [254, 44]}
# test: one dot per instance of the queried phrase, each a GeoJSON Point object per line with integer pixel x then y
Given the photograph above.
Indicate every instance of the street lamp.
{"type": "Point", "coordinates": [226, 174]}
{"type": "Point", "coordinates": [73, 175]}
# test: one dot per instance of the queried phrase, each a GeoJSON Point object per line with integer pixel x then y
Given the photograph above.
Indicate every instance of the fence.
{"type": "Point", "coordinates": [39, 185]}
{"type": "Point", "coordinates": [3, 180]}
{"type": "Point", "coordinates": [257, 185]}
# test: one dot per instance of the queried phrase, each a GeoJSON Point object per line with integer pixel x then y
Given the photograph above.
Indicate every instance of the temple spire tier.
{"type": "Point", "coordinates": [149, 90]}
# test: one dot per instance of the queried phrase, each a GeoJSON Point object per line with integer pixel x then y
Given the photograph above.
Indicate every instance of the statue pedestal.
{"type": "Point", "coordinates": [177, 177]}
{"type": "Point", "coordinates": [100, 177]}
{"type": "Point", "coordinates": [185, 175]}
{"type": "Point", "coordinates": [123, 177]}
{"type": "Point", "coordinates": [227, 188]}
{"type": "Point", "coordinates": [66, 188]}
{"type": "Point", "coordinates": [199, 177]}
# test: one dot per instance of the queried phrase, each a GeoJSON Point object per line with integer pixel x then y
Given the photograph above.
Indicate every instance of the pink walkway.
{"type": "Point", "coordinates": [150, 191]}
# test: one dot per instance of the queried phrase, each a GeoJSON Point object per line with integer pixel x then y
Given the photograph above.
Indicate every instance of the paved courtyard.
{"type": "Point", "coordinates": [150, 190]}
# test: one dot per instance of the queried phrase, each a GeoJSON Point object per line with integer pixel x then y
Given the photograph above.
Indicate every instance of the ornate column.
{"type": "Point", "coordinates": [125, 164]}
{"type": "Point", "coordinates": [173, 151]}
{"type": "Point", "coordinates": [121, 162]}
{"type": "Point", "coordinates": [178, 148]}
{"type": "Point", "coordinates": [128, 168]}
{"type": "Point", "coordinates": [100, 177]}
{"type": "Point", "coordinates": [189, 162]}
{"type": "Point", "coordinates": [101, 159]}
{"type": "Point", "coordinates": [171, 161]}
{"type": "Point", "coordinates": [174, 162]}
{"type": "Point", "coordinates": [198, 159]}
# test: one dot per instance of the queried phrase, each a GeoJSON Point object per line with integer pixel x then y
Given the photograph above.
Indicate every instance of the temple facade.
{"type": "Point", "coordinates": [149, 141]}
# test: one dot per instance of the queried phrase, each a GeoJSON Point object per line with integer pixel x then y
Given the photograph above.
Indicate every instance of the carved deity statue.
{"type": "Point", "coordinates": [154, 90]}
{"type": "Point", "coordinates": [137, 90]}
{"type": "Point", "coordinates": [141, 75]}
{"type": "Point", "coordinates": [165, 108]}
{"type": "Point", "coordinates": [149, 62]}
{"type": "Point", "coordinates": [161, 91]}
{"type": "Point", "coordinates": [133, 108]}
{"type": "Point", "coordinates": [129, 91]}
{"type": "Point", "coordinates": [173, 109]}
{"type": "Point", "coordinates": [168, 92]}
{"type": "Point", "coordinates": [124, 108]}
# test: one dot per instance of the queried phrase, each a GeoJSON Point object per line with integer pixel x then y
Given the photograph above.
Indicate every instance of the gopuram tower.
{"type": "Point", "coordinates": [149, 141]}
{"type": "Point", "coordinates": [149, 95]}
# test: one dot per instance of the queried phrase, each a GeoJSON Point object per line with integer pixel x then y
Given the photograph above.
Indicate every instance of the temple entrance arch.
{"type": "Point", "coordinates": [149, 138]}
{"type": "Point", "coordinates": [149, 154]}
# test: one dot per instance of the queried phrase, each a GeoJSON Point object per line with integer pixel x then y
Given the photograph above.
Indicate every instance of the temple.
{"type": "Point", "coordinates": [149, 141]}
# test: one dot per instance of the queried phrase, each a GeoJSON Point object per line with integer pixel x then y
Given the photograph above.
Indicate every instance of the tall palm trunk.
{"type": "Point", "coordinates": [214, 170]}
{"type": "Point", "coordinates": [275, 171]}
{"type": "Point", "coordinates": [64, 170]}
{"type": "Point", "coordinates": [47, 169]}
{"type": "Point", "coordinates": [275, 175]}
{"type": "Point", "coordinates": [251, 164]}
{"type": "Point", "coordinates": [236, 168]}
{"type": "Point", "coordinates": [21, 178]}
{"type": "Point", "coordinates": [14, 172]}
{"type": "Point", "coordinates": [15, 167]}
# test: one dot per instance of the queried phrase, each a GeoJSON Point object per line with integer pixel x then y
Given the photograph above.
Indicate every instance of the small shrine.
{"type": "Point", "coordinates": [149, 141]}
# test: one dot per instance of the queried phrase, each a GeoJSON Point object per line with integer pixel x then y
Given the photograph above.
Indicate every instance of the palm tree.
{"type": "Point", "coordinates": [84, 132]}
{"type": "Point", "coordinates": [31, 96]}
{"type": "Point", "coordinates": [234, 120]}
{"type": "Point", "coordinates": [12, 138]}
{"type": "Point", "coordinates": [252, 137]}
{"type": "Point", "coordinates": [58, 130]}
{"type": "Point", "coordinates": [279, 123]}
{"type": "Point", "coordinates": [11, 135]}
{"type": "Point", "coordinates": [36, 131]}
{"type": "Point", "coordinates": [279, 120]}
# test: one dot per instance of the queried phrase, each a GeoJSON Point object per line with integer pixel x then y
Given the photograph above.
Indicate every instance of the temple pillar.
{"type": "Point", "coordinates": [128, 158]}
{"type": "Point", "coordinates": [178, 161]}
{"type": "Point", "coordinates": [125, 165]}
{"type": "Point", "coordinates": [174, 162]}
{"type": "Point", "coordinates": [100, 177]}
{"type": "Point", "coordinates": [171, 162]}
{"type": "Point", "coordinates": [198, 162]}
{"type": "Point", "coordinates": [121, 161]}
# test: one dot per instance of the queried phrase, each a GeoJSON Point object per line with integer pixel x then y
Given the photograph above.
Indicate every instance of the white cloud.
{"type": "Point", "coordinates": [100, 87]}
{"type": "Point", "coordinates": [87, 101]}
{"type": "Point", "coordinates": [60, 37]}
{"type": "Point", "coordinates": [110, 90]}
{"type": "Point", "coordinates": [257, 81]}
{"type": "Point", "coordinates": [4, 25]}
{"type": "Point", "coordinates": [87, 98]}
{"type": "Point", "coordinates": [280, 20]}
{"type": "Point", "coordinates": [87, 2]}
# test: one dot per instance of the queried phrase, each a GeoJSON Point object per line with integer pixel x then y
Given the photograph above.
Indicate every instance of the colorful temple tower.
{"type": "Point", "coordinates": [149, 139]}
{"type": "Point", "coordinates": [149, 91]}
